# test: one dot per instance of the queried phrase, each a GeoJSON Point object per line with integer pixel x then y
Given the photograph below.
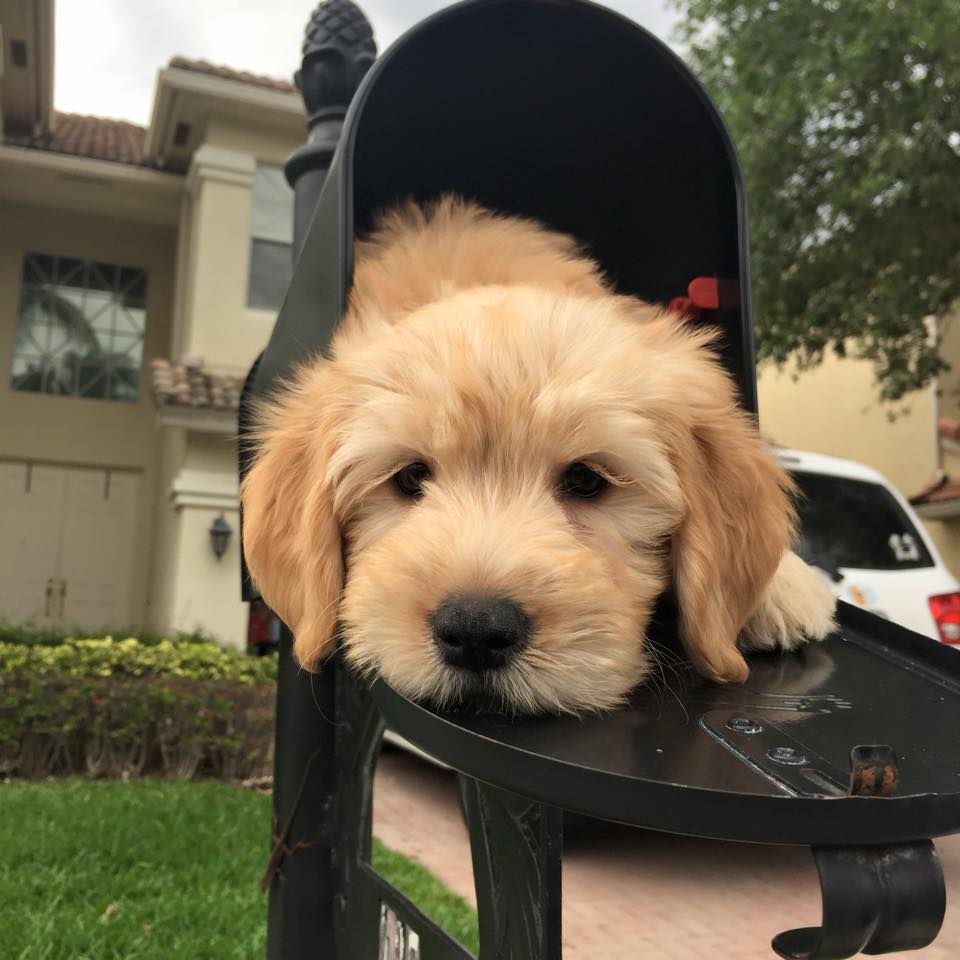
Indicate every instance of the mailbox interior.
{"type": "Point", "coordinates": [560, 111]}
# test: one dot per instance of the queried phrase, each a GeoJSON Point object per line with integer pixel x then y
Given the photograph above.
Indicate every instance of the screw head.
{"type": "Point", "coordinates": [789, 756]}
{"type": "Point", "coordinates": [743, 725]}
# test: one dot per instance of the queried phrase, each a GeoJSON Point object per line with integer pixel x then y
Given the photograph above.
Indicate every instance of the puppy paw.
{"type": "Point", "coordinates": [797, 606]}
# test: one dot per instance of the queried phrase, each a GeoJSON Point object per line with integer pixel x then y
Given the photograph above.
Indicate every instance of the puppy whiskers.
{"type": "Point", "coordinates": [666, 659]}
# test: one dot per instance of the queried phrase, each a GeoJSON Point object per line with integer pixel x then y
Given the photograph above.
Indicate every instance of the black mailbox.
{"type": "Point", "coordinates": [553, 109]}
{"type": "Point", "coordinates": [566, 112]}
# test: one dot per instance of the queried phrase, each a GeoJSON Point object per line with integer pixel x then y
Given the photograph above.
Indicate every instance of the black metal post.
{"type": "Point", "coordinates": [516, 845]}
{"type": "Point", "coordinates": [338, 49]}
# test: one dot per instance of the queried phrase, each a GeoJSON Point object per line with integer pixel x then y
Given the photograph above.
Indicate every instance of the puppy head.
{"type": "Point", "coordinates": [491, 496]}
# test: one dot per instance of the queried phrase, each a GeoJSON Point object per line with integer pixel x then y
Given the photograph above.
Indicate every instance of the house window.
{"type": "Point", "coordinates": [271, 237]}
{"type": "Point", "coordinates": [80, 328]}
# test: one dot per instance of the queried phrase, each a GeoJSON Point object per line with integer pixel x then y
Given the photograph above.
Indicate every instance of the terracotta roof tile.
{"type": "Point", "coordinates": [190, 384]}
{"type": "Point", "coordinates": [100, 138]}
{"type": "Point", "coordinates": [937, 492]}
{"type": "Point", "coordinates": [228, 73]}
{"type": "Point", "coordinates": [949, 428]}
{"type": "Point", "coordinates": [943, 488]}
{"type": "Point", "coordinates": [94, 137]}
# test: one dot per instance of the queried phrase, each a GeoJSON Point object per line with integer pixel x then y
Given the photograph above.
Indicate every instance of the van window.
{"type": "Point", "coordinates": [854, 523]}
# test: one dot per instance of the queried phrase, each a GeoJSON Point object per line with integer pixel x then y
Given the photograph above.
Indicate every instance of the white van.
{"type": "Point", "coordinates": [865, 537]}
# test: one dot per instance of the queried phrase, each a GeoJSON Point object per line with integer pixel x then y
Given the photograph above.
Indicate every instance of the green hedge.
{"type": "Point", "coordinates": [33, 636]}
{"type": "Point", "coordinates": [122, 708]}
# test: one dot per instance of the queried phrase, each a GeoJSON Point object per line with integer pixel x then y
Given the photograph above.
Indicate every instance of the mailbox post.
{"type": "Point", "coordinates": [338, 49]}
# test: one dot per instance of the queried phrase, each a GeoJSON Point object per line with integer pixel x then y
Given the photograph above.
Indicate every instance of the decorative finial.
{"type": "Point", "coordinates": [338, 49]}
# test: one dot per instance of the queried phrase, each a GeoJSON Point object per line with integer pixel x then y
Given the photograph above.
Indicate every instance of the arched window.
{"type": "Point", "coordinates": [80, 328]}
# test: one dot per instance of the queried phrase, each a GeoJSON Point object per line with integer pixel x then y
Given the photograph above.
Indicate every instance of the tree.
{"type": "Point", "coordinates": [847, 119]}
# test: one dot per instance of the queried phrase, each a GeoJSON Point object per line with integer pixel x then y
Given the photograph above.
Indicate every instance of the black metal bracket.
{"type": "Point", "coordinates": [875, 900]}
{"type": "Point", "coordinates": [370, 916]}
{"type": "Point", "coordinates": [516, 845]}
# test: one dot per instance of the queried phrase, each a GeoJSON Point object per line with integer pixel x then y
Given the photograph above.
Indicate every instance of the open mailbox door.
{"type": "Point", "coordinates": [566, 112]}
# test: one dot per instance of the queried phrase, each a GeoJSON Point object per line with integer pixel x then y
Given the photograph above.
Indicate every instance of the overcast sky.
{"type": "Point", "coordinates": [108, 52]}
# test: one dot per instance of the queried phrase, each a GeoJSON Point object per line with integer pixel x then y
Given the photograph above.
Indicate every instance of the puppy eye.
{"type": "Point", "coordinates": [579, 480]}
{"type": "Point", "coordinates": [409, 481]}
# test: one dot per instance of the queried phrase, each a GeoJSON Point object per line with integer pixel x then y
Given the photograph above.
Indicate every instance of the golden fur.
{"type": "Point", "coordinates": [493, 350]}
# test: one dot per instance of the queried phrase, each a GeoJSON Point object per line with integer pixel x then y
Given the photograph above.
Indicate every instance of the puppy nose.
{"type": "Point", "coordinates": [479, 633]}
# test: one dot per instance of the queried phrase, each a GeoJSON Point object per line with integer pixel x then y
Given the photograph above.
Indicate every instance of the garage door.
{"type": "Point", "coordinates": [67, 545]}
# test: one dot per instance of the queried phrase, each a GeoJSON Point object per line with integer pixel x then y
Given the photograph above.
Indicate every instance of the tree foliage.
{"type": "Point", "coordinates": [846, 114]}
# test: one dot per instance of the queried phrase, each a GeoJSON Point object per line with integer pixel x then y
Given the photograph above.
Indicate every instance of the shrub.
{"type": "Point", "coordinates": [108, 707]}
{"type": "Point", "coordinates": [46, 636]}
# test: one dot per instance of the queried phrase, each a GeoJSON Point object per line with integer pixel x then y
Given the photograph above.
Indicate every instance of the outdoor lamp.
{"type": "Point", "coordinates": [220, 532]}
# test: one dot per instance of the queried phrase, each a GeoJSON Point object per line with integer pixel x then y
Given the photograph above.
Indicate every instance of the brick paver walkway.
{"type": "Point", "coordinates": [630, 895]}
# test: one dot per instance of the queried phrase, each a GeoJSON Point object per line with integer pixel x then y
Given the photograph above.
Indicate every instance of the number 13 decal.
{"type": "Point", "coordinates": [904, 547]}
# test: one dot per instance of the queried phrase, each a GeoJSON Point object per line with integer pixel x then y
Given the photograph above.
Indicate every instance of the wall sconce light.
{"type": "Point", "coordinates": [220, 532]}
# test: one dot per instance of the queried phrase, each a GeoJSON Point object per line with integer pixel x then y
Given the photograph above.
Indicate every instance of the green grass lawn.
{"type": "Point", "coordinates": [154, 869]}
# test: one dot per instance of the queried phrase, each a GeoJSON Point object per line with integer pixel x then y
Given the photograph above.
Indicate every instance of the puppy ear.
{"type": "Point", "coordinates": [291, 538]}
{"type": "Point", "coordinates": [738, 522]}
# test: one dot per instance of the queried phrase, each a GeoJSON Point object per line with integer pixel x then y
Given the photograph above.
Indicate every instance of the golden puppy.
{"type": "Point", "coordinates": [500, 469]}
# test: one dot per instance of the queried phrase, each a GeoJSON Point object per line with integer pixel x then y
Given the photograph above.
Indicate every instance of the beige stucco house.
{"type": "Point", "coordinates": [140, 274]}
{"type": "Point", "coordinates": [120, 246]}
